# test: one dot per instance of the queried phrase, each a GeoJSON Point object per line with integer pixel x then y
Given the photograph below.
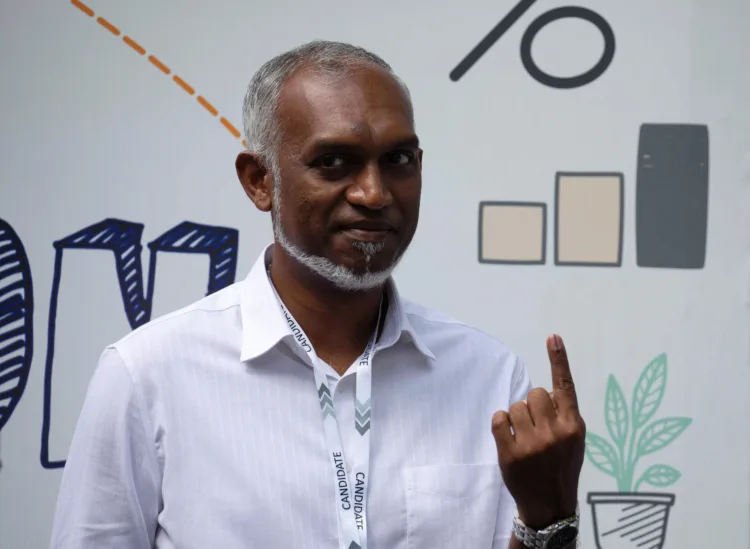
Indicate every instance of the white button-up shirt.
{"type": "Point", "coordinates": [203, 429]}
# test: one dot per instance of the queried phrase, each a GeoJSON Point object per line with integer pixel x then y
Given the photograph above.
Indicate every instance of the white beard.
{"type": "Point", "coordinates": [340, 276]}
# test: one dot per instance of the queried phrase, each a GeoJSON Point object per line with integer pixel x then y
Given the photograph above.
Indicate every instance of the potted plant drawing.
{"type": "Point", "coordinates": [630, 517]}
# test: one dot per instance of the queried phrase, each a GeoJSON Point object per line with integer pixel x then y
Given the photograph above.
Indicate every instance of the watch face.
{"type": "Point", "coordinates": [563, 538]}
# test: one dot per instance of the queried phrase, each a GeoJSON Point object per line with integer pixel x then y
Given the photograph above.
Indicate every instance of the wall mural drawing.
{"type": "Point", "coordinates": [123, 240]}
{"type": "Point", "coordinates": [672, 196]}
{"type": "Point", "coordinates": [158, 64]}
{"type": "Point", "coordinates": [16, 320]}
{"type": "Point", "coordinates": [518, 231]}
{"type": "Point", "coordinates": [545, 78]}
{"type": "Point", "coordinates": [671, 217]}
{"type": "Point", "coordinates": [629, 518]}
{"type": "Point", "coordinates": [589, 216]}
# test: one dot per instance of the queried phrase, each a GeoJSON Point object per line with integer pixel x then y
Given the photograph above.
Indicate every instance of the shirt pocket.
{"type": "Point", "coordinates": [452, 506]}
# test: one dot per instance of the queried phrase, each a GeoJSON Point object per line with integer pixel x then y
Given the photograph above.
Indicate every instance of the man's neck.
{"type": "Point", "coordinates": [338, 323]}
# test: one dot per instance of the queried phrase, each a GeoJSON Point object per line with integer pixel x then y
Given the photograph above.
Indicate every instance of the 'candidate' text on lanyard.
{"type": "Point", "coordinates": [351, 496]}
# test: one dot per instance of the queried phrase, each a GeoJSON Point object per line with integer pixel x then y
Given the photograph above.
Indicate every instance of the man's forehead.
{"type": "Point", "coordinates": [367, 101]}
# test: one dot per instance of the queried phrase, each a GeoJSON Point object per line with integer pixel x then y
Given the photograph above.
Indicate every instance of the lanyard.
{"type": "Point", "coordinates": [351, 494]}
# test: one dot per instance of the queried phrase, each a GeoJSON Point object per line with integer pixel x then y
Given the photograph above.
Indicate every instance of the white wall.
{"type": "Point", "coordinates": [92, 130]}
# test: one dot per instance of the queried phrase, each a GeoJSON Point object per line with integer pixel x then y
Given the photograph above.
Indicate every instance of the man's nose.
{"type": "Point", "coordinates": [370, 190]}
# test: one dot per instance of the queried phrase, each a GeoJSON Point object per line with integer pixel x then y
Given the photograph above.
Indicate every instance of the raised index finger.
{"type": "Point", "coordinates": [562, 379]}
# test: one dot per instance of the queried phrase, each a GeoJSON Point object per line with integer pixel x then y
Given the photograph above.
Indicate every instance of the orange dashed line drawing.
{"type": "Point", "coordinates": [83, 7]}
{"type": "Point", "coordinates": [107, 25]}
{"type": "Point", "coordinates": [184, 85]}
{"type": "Point", "coordinates": [135, 45]}
{"type": "Point", "coordinates": [158, 64]}
{"type": "Point", "coordinates": [208, 106]}
{"type": "Point", "coordinates": [228, 125]}
{"type": "Point", "coordinates": [164, 69]}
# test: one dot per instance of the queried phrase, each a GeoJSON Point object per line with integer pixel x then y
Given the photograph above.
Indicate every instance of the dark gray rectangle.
{"type": "Point", "coordinates": [672, 196]}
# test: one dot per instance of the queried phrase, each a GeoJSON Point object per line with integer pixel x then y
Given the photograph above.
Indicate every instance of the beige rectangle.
{"type": "Point", "coordinates": [588, 222]}
{"type": "Point", "coordinates": [512, 232]}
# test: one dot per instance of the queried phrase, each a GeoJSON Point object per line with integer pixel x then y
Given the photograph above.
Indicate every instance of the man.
{"type": "Point", "coordinates": [310, 405]}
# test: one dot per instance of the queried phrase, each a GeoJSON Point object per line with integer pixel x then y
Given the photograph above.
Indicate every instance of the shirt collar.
{"type": "Point", "coordinates": [264, 326]}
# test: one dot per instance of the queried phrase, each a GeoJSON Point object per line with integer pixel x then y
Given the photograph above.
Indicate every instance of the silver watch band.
{"type": "Point", "coordinates": [538, 539]}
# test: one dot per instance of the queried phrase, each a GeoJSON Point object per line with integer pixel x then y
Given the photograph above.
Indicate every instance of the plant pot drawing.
{"type": "Point", "coordinates": [630, 520]}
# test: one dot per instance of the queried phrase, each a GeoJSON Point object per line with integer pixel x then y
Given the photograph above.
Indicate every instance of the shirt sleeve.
{"type": "Point", "coordinates": [504, 525]}
{"type": "Point", "coordinates": [109, 494]}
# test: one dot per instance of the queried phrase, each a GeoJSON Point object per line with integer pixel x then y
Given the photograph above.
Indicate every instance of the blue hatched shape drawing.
{"type": "Point", "coordinates": [16, 321]}
{"type": "Point", "coordinates": [123, 239]}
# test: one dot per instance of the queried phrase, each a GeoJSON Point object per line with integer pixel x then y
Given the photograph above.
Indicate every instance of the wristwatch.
{"type": "Point", "coordinates": [560, 535]}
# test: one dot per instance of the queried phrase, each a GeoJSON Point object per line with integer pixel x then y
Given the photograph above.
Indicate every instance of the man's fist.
{"type": "Point", "coordinates": [540, 446]}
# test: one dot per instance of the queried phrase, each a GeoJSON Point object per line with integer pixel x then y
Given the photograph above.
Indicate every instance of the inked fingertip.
{"type": "Point", "coordinates": [556, 343]}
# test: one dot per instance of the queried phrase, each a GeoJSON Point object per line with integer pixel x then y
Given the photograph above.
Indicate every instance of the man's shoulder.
{"type": "Point", "coordinates": [208, 319]}
{"type": "Point", "coordinates": [432, 324]}
{"type": "Point", "coordinates": [459, 345]}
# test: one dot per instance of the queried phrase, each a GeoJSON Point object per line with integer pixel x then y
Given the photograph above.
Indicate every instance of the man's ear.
{"type": "Point", "coordinates": [256, 179]}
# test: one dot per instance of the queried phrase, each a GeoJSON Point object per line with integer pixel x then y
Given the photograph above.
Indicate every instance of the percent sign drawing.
{"type": "Point", "coordinates": [565, 12]}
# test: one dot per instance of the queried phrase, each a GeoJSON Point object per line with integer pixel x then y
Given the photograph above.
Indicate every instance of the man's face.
{"type": "Point", "coordinates": [346, 201]}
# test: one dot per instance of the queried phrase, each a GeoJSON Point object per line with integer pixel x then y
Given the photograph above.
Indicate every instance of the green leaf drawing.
{"type": "Point", "coordinates": [602, 454]}
{"type": "Point", "coordinates": [649, 390]}
{"type": "Point", "coordinates": [659, 475]}
{"type": "Point", "coordinates": [661, 433]}
{"type": "Point", "coordinates": [631, 434]}
{"type": "Point", "coordinates": [616, 412]}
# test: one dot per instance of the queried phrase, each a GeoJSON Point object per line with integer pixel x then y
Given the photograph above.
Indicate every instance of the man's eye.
{"type": "Point", "coordinates": [401, 157]}
{"type": "Point", "coordinates": [330, 162]}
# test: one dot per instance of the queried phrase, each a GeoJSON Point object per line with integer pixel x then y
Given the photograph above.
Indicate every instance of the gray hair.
{"type": "Point", "coordinates": [261, 124]}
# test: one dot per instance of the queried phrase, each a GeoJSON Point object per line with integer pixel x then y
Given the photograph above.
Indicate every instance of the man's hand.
{"type": "Point", "coordinates": [541, 458]}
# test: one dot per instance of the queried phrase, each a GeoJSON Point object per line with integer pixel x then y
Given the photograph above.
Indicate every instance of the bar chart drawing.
{"type": "Point", "coordinates": [16, 321]}
{"type": "Point", "coordinates": [589, 219]}
{"type": "Point", "coordinates": [123, 240]}
{"type": "Point", "coordinates": [672, 196]}
{"type": "Point", "coordinates": [671, 210]}
{"type": "Point", "coordinates": [512, 233]}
